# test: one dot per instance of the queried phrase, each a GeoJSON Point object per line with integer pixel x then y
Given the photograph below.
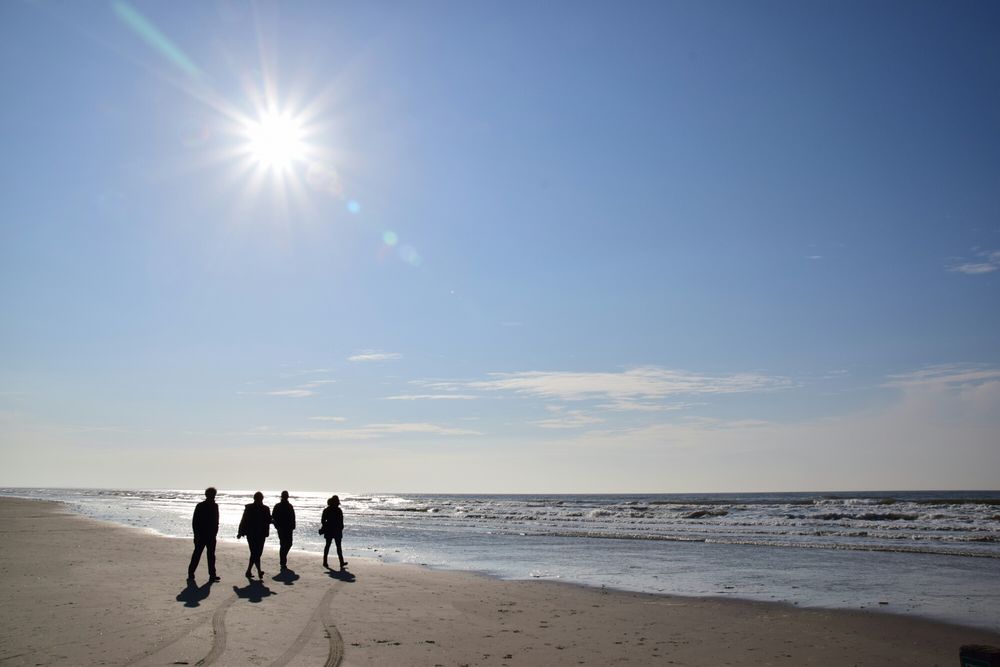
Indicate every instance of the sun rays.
{"type": "Point", "coordinates": [275, 141]}
{"type": "Point", "coordinates": [276, 151]}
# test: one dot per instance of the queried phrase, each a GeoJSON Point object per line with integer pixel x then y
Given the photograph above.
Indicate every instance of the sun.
{"type": "Point", "coordinates": [276, 140]}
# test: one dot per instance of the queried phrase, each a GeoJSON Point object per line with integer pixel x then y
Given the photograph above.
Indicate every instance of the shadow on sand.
{"type": "Point", "coordinates": [255, 591]}
{"type": "Point", "coordinates": [341, 575]}
{"type": "Point", "coordinates": [193, 594]}
{"type": "Point", "coordinates": [288, 577]}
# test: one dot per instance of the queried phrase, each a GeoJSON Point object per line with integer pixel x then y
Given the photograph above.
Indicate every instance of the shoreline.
{"type": "Point", "coordinates": [897, 581]}
{"type": "Point", "coordinates": [272, 547]}
{"type": "Point", "coordinates": [65, 571]}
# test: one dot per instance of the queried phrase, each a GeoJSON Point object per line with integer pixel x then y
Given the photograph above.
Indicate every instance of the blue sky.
{"type": "Point", "coordinates": [517, 246]}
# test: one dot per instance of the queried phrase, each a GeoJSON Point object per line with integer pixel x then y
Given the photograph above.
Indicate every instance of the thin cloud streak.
{"type": "Point", "coordinates": [988, 262]}
{"type": "Point", "coordinates": [637, 406]}
{"type": "Point", "coordinates": [302, 391]}
{"type": "Point", "coordinates": [571, 419]}
{"type": "Point", "coordinates": [373, 431]}
{"type": "Point", "coordinates": [374, 355]}
{"type": "Point", "coordinates": [292, 393]}
{"type": "Point", "coordinates": [944, 375]}
{"type": "Point", "coordinates": [432, 397]}
{"type": "Point", "coordinates": [642, 384]}
{"type": "Point", "coordinates": [316, 383]}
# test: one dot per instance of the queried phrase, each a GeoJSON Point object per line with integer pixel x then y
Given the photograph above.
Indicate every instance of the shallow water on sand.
{"type": "Point", "coordinates": [931, 554]}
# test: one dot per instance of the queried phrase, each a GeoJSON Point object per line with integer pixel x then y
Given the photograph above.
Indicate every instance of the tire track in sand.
{"type": "Point", "coordinates": [336, 653]}
{"type": "Point", "coordinates": [319, 617]}
{"type": "Point", "coordinates": [218, 633]}
{"type": "Point", "coordinates": [191, 627]}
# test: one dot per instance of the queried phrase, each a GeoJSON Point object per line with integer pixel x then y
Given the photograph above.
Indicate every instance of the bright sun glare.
{"type": "Point", "coordinates": [276, 140]}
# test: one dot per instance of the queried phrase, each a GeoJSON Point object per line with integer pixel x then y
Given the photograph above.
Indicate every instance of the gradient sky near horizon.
{"type": "Point", "coordinates": [500, 246]}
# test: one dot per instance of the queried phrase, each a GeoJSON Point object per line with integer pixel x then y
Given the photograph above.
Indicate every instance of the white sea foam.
{"type": "Point", "coordinates": [937, 551]}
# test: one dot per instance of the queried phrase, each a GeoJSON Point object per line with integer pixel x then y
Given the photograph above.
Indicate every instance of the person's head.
{"type": "Point", "coordinates": [258, 497]}
{"type": "Point", "coordinates": [210, 492]}
{"type": "Point", "coordinates": [284, 495]}
{"type": "Point", "coordinates": [335, 501]}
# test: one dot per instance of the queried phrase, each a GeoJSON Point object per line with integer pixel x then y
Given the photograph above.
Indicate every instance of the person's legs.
{"type": "Point", "coordinates": [196, 558]}
{"type": "Point", "coordinates": [210, 547]}
{"type": "Point", "coordinates": [249, 574]}
{"type": "Point", "coordinates": [326, 551]}
{"type": "Point", "coordinates": [256, 549]}
{"type": "Point", "coordinates": [340, 553]}
{"type": "Point", "coordinates": [285, 537]}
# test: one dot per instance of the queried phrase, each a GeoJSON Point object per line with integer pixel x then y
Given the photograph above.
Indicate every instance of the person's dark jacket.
{"type": "Point", "coordinates": [205, 522]}
{"type": "Point", "coordinates": [256, 521]}
{"type": "Point", "coordinates": [283, 516]}
{"type": "Point", "coordinates": [333, 521]}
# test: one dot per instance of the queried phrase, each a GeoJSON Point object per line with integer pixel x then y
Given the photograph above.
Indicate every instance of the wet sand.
{"type": "Point", "coordinates": [83, 592]}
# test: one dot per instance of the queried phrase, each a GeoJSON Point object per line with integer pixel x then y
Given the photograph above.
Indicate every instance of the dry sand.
{"type": "Point", "coordinates": [83, 592]}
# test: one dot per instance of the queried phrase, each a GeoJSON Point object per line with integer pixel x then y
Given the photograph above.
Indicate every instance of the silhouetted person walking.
{"type": "Point", "coordinates": [333, 529]}
{"type": "Point", "coordinates": [256, 525]}
{"type": "Point", "coordinates": [283, 518]}
{"type": "Point", "coordinates": [205, 524]}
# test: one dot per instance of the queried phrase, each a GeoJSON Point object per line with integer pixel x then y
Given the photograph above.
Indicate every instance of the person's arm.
{"type": "Point", "coordinates": [291, 514]}
{"type": "Point", "coordinates": [241, 531]}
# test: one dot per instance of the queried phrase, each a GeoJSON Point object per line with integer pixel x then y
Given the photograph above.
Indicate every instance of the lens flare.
{"type": "Point", "coordinates": [409, 255]}
{"type": "Point", "coordinates": [150, 34]}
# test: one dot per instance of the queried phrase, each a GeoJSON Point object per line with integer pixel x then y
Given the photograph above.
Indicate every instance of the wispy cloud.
{"type": "Point", "coordinates": [432, 397]}
{"type": "Point", "coordinates": [569, 419]}
{"type": "Point", "coordinates": [329, 419]}
{"type": "Point", "coordinates": [984, 261]}
{"type": "Point", "coordinates": [315, 384]}
{"type": "Point", "coordinates": [374, 355]}
{"type": "Point", "coordinates": [304, 390]}
{"type": "Point", "coordinates": [373, 431]}
{"type": "Point", "coordinates": [640, 406]}
{"type": "Point", "coordinates": [631, 387]}
{"type": "Point", "coordinates": [944, 375]}
{"type": "Point", "coordinates": [291, 393]}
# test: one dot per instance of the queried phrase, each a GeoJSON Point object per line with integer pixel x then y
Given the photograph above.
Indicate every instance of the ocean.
{"type": "Point", "coordinates": [930, 554]}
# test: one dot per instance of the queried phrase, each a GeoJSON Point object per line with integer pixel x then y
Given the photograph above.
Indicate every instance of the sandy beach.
{"type": "Point", "coordinates": [83, 592]}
